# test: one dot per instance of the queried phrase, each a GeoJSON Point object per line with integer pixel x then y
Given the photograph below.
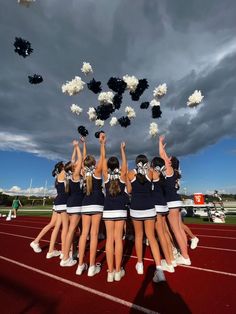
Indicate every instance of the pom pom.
{"type": "Point", "coordinates": [104, 112]}
{"type": "Point", "coordinates": [156, 112]}
{"type": "Point", "coordinates": [106, 97]}
{"type": "Point", "coordinates": [73, 87]}
{"type": "Point", "coordinates": [86, 68]}
{"type": "Point", "coordinates": [92, 114]}
{"type": "Point", "coordinates": [82, 131]}
{"type": "Point", "coordinates": [97, 134]}
{"type": "Point", "coordinates": [195, 99]}
{"type": "Point", "coordinates": [25, 2]}
{"type": "Point", "coordinates": [117, 85]}
{"type": "Point", "coordinates": [153, 129]}
{"type": "Point", "coordinates": [154, 103]}
{"type": "Point", "coordinates": [130, 112]}
{"type": "Point", "coordinates": [117, 100]}
{"type": "Point", "coordinates": [99, 123]}
{"type": "Point", "coordinates": [131, 81]}
{"type": "Point", "coordinates": [160, 91]}
{"type": "Point", "coordinates": [35, 79]}
{"type": "Point", "coordinates": [22, 47]}
{"type": "Point", "coordinates": [113, 121]}
{"type": "Point", "coordinates": [94, 86]}
{"type": "Point", "coordinates": [141, 87]}
{"type": "Point", "coordinates": [124, 122]}
{"type": "Point", "coordinates": [144, 105]}
{"type": "Point", "coordinates": [76, 109]}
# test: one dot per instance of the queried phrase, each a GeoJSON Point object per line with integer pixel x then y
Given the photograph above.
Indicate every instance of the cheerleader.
{"type": "Point", "coordinates": [59, 207]}
{"type": "Point", "coordinates": [114, 212]}
{"type": "Point", "coordinates": [92, 208]}
{"type": "Point", "coordinates": [142, 212]}
{"type": "Point", "coordinates": [74, 201]}
{"type": "Point", "coordinates": [158, 167]}
{"type": "Point", "coordinates": [174, 203]}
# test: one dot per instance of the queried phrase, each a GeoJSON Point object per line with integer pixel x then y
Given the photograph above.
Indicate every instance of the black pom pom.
{"type": "Point", "coordinates": [144, 105]}
{"type": "Point", "coordinates": [156, 112]}
{"type": "Point", "coordinates": [22, 47]}
{"type": "Point", "coordinates": [117, 100]}
{"type": "Point", "coordinates": [83, 131]}
{"type": "Point", "coordinates": [117, 85]}
{"type": "Point", "coordinates": [141, 87]}
{"type": "Point", "coordinates": [124, 122]}
{"type": "Point", "coordinates": [97, 134]}
{"type": "Point", "coordinates": [104, 111]}
{"type": "Point", "coordinates": [94, 86]}
{"type": "Point", "coordinates": [35, 79]}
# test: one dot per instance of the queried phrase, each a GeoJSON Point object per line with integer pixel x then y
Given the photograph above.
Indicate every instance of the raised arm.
{"type": "Point", "coordinates": [73, 156]}
{"type": "Point", "coordinates": [78, 163]}
{"type": "Point", "coordinates": [164, 156]}
{"type": "Point", "coordinates": [99, 167]}
{"type": "Point", "coordinates": [124, 167]}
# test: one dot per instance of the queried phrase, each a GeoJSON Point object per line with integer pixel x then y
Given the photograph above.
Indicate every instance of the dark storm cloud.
{"type": "Point", "coordinates": [189, 45]}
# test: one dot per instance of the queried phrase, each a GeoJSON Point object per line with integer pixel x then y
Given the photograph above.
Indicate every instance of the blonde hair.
{"type": "Point", "coordinates": [89, 163]}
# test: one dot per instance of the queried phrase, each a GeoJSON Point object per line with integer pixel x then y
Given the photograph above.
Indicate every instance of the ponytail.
{"type": "Point", "coordinates": [88, 185]}
{"type": "Point", "coordinates": [114, 188]}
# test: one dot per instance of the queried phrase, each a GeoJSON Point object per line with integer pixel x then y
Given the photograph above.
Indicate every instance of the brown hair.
{"type": "Point", "coordinates": [112, 164]}
{"type": "Point", "coordinates": [89, 162]}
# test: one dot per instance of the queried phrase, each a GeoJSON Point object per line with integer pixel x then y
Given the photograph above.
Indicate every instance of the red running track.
{"type": "Point", "coordinates": [29, 283]}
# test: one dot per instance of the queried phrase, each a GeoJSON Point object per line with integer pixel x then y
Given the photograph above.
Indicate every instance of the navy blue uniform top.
{"type": "Point", "coordinates": [170, 189]}
{"type": "Point", "coordinates": [158, 193]}
{"type": "Point", "coordinates": [96, 197]}
{"type": "Point", "coordinates": [141, 197]}
{"type": "Point", "coordinates": [62, 196]}
{"type": "Point", "coordinates": [76, 194]}
{"type": "Point", "coordinates": [117, 202]}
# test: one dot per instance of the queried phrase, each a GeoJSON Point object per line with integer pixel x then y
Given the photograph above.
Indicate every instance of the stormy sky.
{"type": "Point", "coordinates": [186, 44]}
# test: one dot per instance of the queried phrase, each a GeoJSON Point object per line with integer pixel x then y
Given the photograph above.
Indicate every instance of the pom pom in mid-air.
{"type": "Point", "coordinates": [22, 47]}
{"type": "Point", "coordinates": [35, 79]}
{"type": "Point", "coordinates": [124, 122]}
{"type": "Point", "coordinates": [130, 112]}
{"type": "Point", "coordinates": [99, 123]}
{"type": "Point", "coordinates": [160, 91]}
{"type": "Point", "coordinates": [106, 97]}
{"type": "Point", "coordinates": [94, 86]}
{"type": "Point", "coordinates": [131, 81]}
{"type": "Point", "coordinates": [141, 87]}
{"type": "Point", "coordinates": [25, 2]}
{"type": "Point", "coordinates": [97, 134]}
{"type": "Point", "coordinates": [104, 112]}
{"type": "Point", "coordinates": [86, 68]}
{"type": "Point", "coordinates": [82, 131]}
{"type": "Point", "coordinates": [144, 105]}
{"type": "Point", "coordinates": [117, 85]}
{"type": "Point", "coordinates": [117, 100]}
{"type": "Point", "coordinates": [195, 99]}
{"type": "Point", "coordinates": [113, 121]}
{"type": "Point", "coordinates": [76, 109]}
{"type": "Point", "coordinates": [73, 87]}
{"type": "Point", "coordinates": [156, 112]}
{"type": "Point", "coordinates": [153, 129]}
{"type": "Point", "coordinates": [92, 114]}
{"type": "Point", "coordinates": [154, 103]}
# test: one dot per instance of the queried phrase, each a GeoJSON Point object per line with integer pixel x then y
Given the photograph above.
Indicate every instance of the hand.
{"type": "Point", "coordinates": [102, 138]}
{"type": "Point", "coordinates": [82, 139]}
{"type": "Point", "coordinates": [161, 138]}
{"type": "Point", "coordinates": [75, 143]}
{"type": "Point", "coordinates": [122, 145]}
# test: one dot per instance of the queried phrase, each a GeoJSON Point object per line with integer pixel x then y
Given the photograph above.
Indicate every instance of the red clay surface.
{"type": "Point", "coordinates": [207, 286]}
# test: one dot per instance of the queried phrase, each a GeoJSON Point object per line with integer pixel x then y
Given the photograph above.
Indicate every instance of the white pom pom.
{"type": "Point", "coordinates": [86, 68]}
{"type": "Point", "coordinates": [154, 103]}
{"type": "Point", "coordinates": [113, 121]}
{"type": "Point", "coordinates": [195, 99]}
{"type": "Point", "coordinates": [106, 97]}
{"type": "Point", "coordinates": [130, 112]}
{"type": "Point", "coordinates": [76, 109]}
{"type": "Point", "coordinates": [92, 114]}
{"type": "Point", "coordinates": [153, 129]}
{"type": "Point", "coordinates": [99, 123]}
{"type": "Point", "coordinates": [160, 90]}
{"type": "Point", "coordinates": [73, 87]}
{"type": "Point", "coordinates": [131, 81]}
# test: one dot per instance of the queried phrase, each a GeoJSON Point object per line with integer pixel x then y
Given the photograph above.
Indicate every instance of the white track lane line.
{"type": "Point", "coordinates": [219, 229]}
{"type": "Point", "coordinates": [209, 236]}
{"type": "Point", "coordinates": [146, 258]}
{"type": "Point", "coordinates": [82, 287]}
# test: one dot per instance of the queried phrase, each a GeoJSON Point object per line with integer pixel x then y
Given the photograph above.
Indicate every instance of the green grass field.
{"type": "Point", "coordinates": [47, 210]}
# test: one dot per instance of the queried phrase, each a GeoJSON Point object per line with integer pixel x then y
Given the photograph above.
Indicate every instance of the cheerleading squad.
{"type": "Point", "coordinates": [154, 208]}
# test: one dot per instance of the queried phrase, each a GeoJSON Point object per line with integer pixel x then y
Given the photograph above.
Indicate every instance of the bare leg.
{"type": "Point", "coordinates": [173, 217]}
{"type": "Point", "coordinates": [48, 227]}
{"type": "Point", "coordinates": [150, 233]}
{"type": "Point", "coordinates": [161, 235]}
{"type": "Point", "coordinates": [182, 230]}
{"type": "Point", "coordinates": [138, 232]}
{"type": "Point", "coordinates": [86, 222]}
{"type": "Point", "coordinates": [188, 231]}
{"type": "Point", "coordinates": [169, 240]}
{"type": "Point", "coordinates": [94, 237]}
{"type": "Point", "coordinates": [110, 228]}
{"type": "Point", "coordinates": [65, 220]}
{"type": "Point", "coordinates": [119, 227]}
{"type": "Point", "coordinates": [73, 223]}
{"type": "Point", "coordinates": [55, 233]}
